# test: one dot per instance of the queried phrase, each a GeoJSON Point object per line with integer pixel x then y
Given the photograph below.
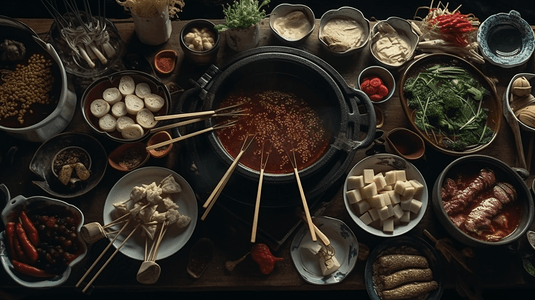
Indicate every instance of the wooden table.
{"type": "Point", "coordinates": [496, 268]}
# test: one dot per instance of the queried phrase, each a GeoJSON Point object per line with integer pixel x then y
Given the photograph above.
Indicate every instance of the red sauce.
{"type": "Point", "coordinates": [283, 124]}
{"type": "Point", "coordinates": [503, 224]}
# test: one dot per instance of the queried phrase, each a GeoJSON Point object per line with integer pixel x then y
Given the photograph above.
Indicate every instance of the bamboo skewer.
{"type": "Point", "coordinates": [303, 199]}
{"type": "Point", "coordinates": [180, 138]}
{"type": "Point", "coordinates": [109, 259]}
{"type": "Point", "coordinates": [209, 203]}
{"type": "Point", "coordinates": [195, 120]}
{"type": "Point", "coordinates": [195, 114]}
{"type": "Point", "coordinates": [258, 195]}
{"type": "Point", "coordinates": [101, 255]}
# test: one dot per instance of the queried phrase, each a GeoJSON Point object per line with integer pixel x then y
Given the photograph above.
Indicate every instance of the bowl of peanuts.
{"type": "Point", "coordinates": [35, 101]}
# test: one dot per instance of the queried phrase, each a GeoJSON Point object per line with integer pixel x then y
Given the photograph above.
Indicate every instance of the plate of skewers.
{"type": "Point", "coordinates": [150, 208]}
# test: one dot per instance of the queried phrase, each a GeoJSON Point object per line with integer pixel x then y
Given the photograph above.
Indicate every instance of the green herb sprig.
{"type": "Point", "coordinates": [242, 14]}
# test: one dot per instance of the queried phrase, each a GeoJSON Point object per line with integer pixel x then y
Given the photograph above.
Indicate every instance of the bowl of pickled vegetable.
{"type": "Point", "coordinates": [450, 103]}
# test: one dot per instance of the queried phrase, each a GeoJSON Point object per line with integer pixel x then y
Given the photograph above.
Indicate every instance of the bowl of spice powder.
{"type": "Point", "coordinates": [128, 157]}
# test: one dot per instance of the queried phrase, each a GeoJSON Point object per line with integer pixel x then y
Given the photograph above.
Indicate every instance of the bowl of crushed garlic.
{"type": "Point", "coordinates": [519, 100]}
{"type": "Point", "coordinates": [200, 41]}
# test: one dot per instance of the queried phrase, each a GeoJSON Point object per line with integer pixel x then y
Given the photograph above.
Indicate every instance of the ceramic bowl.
{"type": "Point", "coordinates": [506, 40]}
{"type": "Point", "coordinates": [344, 12]}
{"type": "Point", "coordinates": [128, 157]}
{"type": "Point", "coordinates": [470, 164]}
{"type": "Point", "coordinates": [406, 143]}
{"type": "Point", "coordinates": [11, 212]}
{"type": "Point", "coordinates": [385, 75]}
{"type": "Point", "coordinates": [404, 30]}
{"type": "Point", "coordinates": [165, 61]}
{"type": "Point", "coordinates": [200, 28]}
{"type": "Point", "coordinates": [156, 138]}
{"type": "Point", "coordinates": [42, 164]}
{"type": "Point", "coordinates": [422, 247]}
{"type": "Point", "coordinates": [96, 89]}
{"type": "Point", "coordinates": [507, 95]}
{"type": "Point", "coordinates": [382, 163]}
{"type": "Point", "coordinates": [490, 102]}
{"type": "Point", "coordinates": [290, 31]}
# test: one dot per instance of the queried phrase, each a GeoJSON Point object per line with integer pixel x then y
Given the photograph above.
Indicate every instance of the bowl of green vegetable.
{"type": "Point", "coordinates": [450, 103]}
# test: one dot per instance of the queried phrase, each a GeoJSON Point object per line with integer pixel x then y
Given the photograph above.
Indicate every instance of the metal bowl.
{"type": "Point", "coordinates": [507, 99]}
{"type": "Point", "coordinates": [503, 173]}
{"type": "Point", "coordinates": [304, 28]}
{"type": "Point", "coordinates": [404, 30]}
{"type": "Point", "coordinates": [345, 12]}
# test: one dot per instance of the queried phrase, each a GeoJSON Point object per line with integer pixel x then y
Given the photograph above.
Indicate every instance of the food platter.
{"type": "Point", "coordinates": [342, 239]}
{"type": "Point", "coordinates": [175, 238]}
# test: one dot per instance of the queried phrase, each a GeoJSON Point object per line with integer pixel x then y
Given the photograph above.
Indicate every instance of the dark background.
{"type": "Point", "coordinates": [372, 9]}
{"type": "Point", "coordinates": [212, 9]}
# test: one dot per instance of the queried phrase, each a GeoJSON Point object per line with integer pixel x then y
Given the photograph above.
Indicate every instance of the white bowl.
{"type": "Point", "coordinates": [348, 13]}
{"type": "Point", "coordinates": [507, 98]}
{"type": "Point", "coordinates": [404, 30]}
{"type": "Point", "coordinates": [281, 11]}
{"type": "Point", "coordinates": [381, 163]}
{"type": "Point", "coordinates": [385, 75]}
{"type": "Point", "coordinates": [506, 40]}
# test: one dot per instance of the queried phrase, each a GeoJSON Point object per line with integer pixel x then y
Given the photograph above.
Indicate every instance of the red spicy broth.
{"type": "Point", "coordinates": [503, 224]}
{"type": "Point", "coordinates": [283, 123]}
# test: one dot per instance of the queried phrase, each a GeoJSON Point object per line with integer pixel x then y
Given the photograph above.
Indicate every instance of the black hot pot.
{"type": "Point", "coordinates": [346, 112]}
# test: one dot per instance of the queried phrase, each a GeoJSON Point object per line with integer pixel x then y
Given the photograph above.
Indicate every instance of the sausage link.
{"type": "Point", "coordinates": [31, 231]}
{"type": "Point", "coordinates": [30, 270]}
{"type": "Point", "coordinates": [10, 235]}
{"type": "Point", "coordinates": [409, 291]}
{"type": "Point", "coordinates": [395, 262]}
{"type": "Point", "coordinates": [29, 249]}
{"type": "Point", "coordinates": [406, 276]}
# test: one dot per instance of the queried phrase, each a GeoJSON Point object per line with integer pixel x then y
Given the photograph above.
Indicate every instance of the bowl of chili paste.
{"type": "Point", "coordinates": [481, 201]}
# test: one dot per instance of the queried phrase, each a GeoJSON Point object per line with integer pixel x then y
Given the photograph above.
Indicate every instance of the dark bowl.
{"type": "Point", "coordinates": [201, 57]}
{"type": "Point", "coordinates": [503, 173]}
{"type": "Point", "coordinates": [491, 102]}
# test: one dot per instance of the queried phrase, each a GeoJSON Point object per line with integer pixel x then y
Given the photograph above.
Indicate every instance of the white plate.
{"type": "Point", "coordinates": [175, 238]}
{"type": "Point", "coordinates": [342, 239]}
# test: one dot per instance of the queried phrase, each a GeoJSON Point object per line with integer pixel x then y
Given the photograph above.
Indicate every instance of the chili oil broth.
{"type": "Point", "coordinates": [285, 117]}
{"type": "Point", "coordinates": [512, 211]}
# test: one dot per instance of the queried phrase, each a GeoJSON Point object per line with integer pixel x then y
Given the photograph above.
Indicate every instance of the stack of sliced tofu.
{"type": "Point", "coordinates": [384, 200]}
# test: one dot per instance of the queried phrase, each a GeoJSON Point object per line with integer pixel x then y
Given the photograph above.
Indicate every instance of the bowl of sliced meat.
{"type": "Point", "coordinates": [481, 201]}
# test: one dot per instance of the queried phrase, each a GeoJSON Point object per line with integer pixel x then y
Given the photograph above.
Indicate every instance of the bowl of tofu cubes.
{"type": "Point", "coordinates": [385, 195]}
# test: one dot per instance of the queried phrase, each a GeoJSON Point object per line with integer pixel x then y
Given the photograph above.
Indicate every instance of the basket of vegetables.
{"type": "Point", "coordinates": [450, 103]}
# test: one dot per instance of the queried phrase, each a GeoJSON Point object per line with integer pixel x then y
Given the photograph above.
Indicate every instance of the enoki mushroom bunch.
{"type": "Point", "coordinates": [151, 8]}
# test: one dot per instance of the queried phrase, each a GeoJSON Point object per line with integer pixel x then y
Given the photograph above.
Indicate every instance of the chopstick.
{"type": "Point", "coordinates": [195, 120]}
{"type": "Point", "coordinates": [180, 138]}
{"type": "Point", "coordinates": [209, 203]}
{"type": "Point", "coordinates": [258, 194]}
{"type": "Point", "coordinates": [303, 199]}
{"type": "Point", "coordinates": [109, 259]}
{"type": "Point", "coordinates": [195, 114]}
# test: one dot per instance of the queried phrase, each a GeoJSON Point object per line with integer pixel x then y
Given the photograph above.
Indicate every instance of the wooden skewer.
{"type": "Point", "coordinates": [303, 199]}
{"type": "Point", "coordinates": [195, 114]}
{"type": "Point", "coordinates": [101, 255]}
{"type": "Point", "coordinates": [219, 188]}
{"type": "Point", "coordinates": [109, 259]}
{"type": "Point", "coordinates": [154, 251]}
{"type": "Point", "coordinates": [258, 194]}
{"type": "Point", "coordinates": [178, 124]}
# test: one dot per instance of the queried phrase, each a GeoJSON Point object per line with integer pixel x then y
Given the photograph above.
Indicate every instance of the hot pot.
{"type": "Point", "coordinates": [347, 113]}
{"type": "Point", "coordinates": [58, 119]}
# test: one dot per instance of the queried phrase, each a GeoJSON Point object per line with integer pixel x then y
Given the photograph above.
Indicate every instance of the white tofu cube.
{"type": "Point", "coordinates": [406, 218]}
{"type": "Point", "coordinates": [401, 175]}
{"type": "Point", "coordinates": [384, 213]}
{"type": "Point", "coordinates": [369, 190]}
{"type": "Point", "coordinates": [390, 177]}
{"type": "Point", "coordinates": [409, 191]}
{"type": "Point", "coordinates": [374, 214]}
{"type": "Point", "coordinates": [377, 201]}
{"type": "Point", "coordinates": [399, 187]}
{"type": "Point", "coordinates": [380, 181]}
{"type": "Point", "coordinates": [415, 206]}
{"type": "Point", "coordinates": [366, 218]}
{"type": "Point", "coordinates": [406, 204]}
{"type": "Point", "coordinates": [388, 226]}
{"type": "Point", "coordinates": [368, 175]}
{"type": "Point", "coordinates": [362, 207]}
{"type": "Point", "coordinates": [355, 182]}
{"type": "Point", "coordinates": [398, 212]}
{"type": "Point", "coordinates": [418, 187]}
{"type": "Point", "coordinates": [394, 197]}
{"type": "Point", "coordinates": [386, 199]}
{"type": "Point", "coordinates": [353, 196]}
{"type": "Point", "coordinates": [388, 188]}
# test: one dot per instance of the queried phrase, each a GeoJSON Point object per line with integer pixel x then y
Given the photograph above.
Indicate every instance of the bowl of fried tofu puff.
{"type": "Point", "coordinates": [385, 195]}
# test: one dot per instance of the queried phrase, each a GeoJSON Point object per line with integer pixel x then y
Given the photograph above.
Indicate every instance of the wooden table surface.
{"type": "Point", "coordinates": [497, 268]}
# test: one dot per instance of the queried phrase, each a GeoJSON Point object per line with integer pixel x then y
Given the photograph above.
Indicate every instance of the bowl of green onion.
{"type": "Point", "coordinates": [450, 103]}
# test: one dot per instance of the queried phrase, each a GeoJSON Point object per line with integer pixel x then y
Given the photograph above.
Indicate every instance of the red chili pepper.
{"type": "Point", "coordinates": [31, 231]}
{"type": "Point", "coordinates": [10, 235]}
{"type": "Point", "coordinates": [19, 253]}
{"type": "Point", "coordinates": [263, 257]}
{"type": "Point", "coordinates": [30, 270]}
{"type": "Point", "coordinates": [27, 247]}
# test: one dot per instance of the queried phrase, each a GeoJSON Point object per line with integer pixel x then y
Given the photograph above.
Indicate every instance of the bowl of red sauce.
{"type": "Point", "coordinates": [482, 202]}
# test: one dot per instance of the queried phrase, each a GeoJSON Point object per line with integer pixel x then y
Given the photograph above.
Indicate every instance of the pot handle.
{"type": "Point", "coordinates": [357, 120]}
{"type": "Point", "coordinates": [5, 196]}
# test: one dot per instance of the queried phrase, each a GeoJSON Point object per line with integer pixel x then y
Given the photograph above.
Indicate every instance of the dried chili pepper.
{"type": "Point", "coordinates": [30, 229]}
{"type": "Point", "coordinates": [263, 257]}
{"type": "Point", "coordinates": [27, 247]}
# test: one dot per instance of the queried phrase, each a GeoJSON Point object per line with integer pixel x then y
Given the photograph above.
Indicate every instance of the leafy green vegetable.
{"type": "Point", "coordinates": [242, 14]}
{"type": "Point", "coordinates": [448, 104]}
